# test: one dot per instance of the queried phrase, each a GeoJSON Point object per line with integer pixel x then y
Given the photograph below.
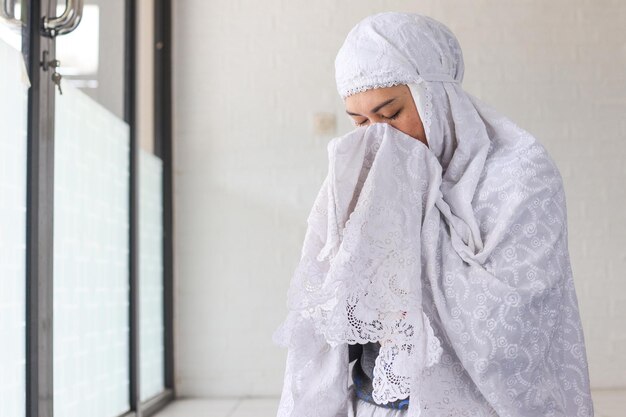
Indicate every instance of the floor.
{"type": "Point", "coordinates": [607, 403]}
{"type": "Point", "coordinates": [245, 407]}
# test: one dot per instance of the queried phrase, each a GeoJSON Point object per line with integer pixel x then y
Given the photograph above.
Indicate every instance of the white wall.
{"type": "Point", "coordinates": [248, 78]}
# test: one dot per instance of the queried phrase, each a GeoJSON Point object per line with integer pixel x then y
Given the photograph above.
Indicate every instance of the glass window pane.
{"type": "Point", "coordinates": [144, 80]}
{"type": "Point", "coordinates": [151, 274]}
{"type": "Point", "coordinates": [92, 56]}
{"type": "Point", "coordinates": [91, 223]}
{"type": "Point", "coordinates": [151, 326]}
{"type": "Point", "coordinates": [91, 250]}
{"type": "Point", "coordinates": [13, 107]}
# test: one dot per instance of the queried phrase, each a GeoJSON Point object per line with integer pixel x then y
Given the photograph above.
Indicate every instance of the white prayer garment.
{"type": "Point", "coordinates": [453, 256]}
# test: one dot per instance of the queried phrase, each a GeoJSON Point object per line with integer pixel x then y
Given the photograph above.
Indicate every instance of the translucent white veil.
{"type": "Point", "coordinates": [475, 223]}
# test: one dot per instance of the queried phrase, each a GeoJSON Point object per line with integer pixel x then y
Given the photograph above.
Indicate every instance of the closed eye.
{"type": "Point", "coordinates": [392, 117]}
{"type": "Point", "coordinates": [395, 116]}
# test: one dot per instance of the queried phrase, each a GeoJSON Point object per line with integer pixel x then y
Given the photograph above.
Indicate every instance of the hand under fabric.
{"type": "Point", "coordinates": [358, 279]}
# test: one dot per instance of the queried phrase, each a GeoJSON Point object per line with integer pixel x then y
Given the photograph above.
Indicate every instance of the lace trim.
{"type": "Point", "coordinates": [392, 368]}
{"type": "Point", "coordinates": [371, 86]}
{"type": "Point", "coordinates": [428, 107]}
{"type": "Point", "coordinates": [353, 85]}
{"type": "Point", "coordinates": [425, 93]}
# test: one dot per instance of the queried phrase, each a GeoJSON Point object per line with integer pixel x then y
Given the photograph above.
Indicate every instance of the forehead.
{"type": "Point", "coordinates": [368, 99]}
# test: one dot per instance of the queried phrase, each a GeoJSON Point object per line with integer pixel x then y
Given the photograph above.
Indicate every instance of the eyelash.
{"type": "Point", "coordinates": [394, 117]}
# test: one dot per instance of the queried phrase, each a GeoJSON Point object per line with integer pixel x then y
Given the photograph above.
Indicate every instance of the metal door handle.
{"type": "Point", "coordinates": [7, 12]}
{"type": "Point", "coordinates": [67, 22]}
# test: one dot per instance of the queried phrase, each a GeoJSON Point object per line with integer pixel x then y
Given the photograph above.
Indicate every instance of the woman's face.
{"type": "Point", "coordinates": [393, 105]}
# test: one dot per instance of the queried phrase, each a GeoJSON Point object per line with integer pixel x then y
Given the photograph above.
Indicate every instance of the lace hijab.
{"type": "Point", "coordinates": [478, 217]}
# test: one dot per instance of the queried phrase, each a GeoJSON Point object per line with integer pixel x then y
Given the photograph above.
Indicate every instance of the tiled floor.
{"type": "Point", "coordinates": [607, 404]}
{"type": "Point", "coordinates": [245, 407]}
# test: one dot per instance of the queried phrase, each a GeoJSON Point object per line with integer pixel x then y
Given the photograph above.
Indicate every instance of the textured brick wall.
{"type": "Point", "coordinates": [248, 78]}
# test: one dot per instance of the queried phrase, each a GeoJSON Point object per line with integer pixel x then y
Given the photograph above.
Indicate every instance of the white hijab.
{"type": "Point", "coordinates": [478, 218]}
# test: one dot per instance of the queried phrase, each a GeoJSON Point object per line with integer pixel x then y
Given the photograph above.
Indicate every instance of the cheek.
{"type": "Point", "coordinates": [409, 125]}
{"type": "Point", "coordinates": [415, 126]}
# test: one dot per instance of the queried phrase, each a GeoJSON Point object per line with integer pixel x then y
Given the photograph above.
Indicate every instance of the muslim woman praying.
{"type": "Point", "coordinates": [434, 278]}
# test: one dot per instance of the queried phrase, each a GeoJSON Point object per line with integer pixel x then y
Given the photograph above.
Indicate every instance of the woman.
{"type": "Point", "coordinates": [436, 251]}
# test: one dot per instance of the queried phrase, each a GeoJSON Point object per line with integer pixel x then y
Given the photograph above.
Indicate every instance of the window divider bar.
{"type": "Point", "coordinates": [164, 149]}
{"type": "Point", "coordinates": [130, 86]}
{"type": "Point", "coordinates": [39, 216]}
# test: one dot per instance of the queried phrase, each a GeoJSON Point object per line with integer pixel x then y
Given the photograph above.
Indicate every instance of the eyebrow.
{"type": "Point", "coordinates": [375, 109]}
